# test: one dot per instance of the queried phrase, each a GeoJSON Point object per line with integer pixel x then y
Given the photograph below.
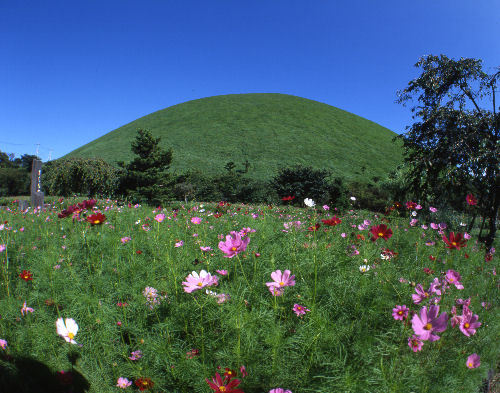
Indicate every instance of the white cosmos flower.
{"type": "Point", "coordinates": [364, 268]}
{"type": "Point", "coordinates": [309, 202]}
{"type": "Point", "coordinates": [67, 329]}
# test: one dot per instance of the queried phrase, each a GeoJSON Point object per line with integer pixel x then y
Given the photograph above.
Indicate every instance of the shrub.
{"type": "Point", "coordinates": [306, 182]}
{"type": "Point", "coordinates": [370, 196]}
{"type": "Point", "coordinates": [82, 176]}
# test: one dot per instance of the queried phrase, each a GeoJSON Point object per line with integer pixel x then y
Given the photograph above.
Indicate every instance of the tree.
{"type": "Point", "coordinates": [146, 178]}
{"type": "Point", "coordinates": [453, 144]}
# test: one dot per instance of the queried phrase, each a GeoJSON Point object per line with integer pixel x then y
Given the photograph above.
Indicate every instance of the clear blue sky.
{"type": "Point", "coordinates": [71, 71]}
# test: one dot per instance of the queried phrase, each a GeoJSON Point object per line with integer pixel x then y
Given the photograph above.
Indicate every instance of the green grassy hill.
{"type": "Point", "coordinates": [271, 131]}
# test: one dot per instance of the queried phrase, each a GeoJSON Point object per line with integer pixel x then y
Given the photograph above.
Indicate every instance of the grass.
{"type": "Point", "coordinates": [347, 342]}
{"type": "Point", "coordinates": [271, 131]}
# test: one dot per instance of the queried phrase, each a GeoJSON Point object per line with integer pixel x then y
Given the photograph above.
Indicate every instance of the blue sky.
{"type": "Point", "coordinates": [71, 71]}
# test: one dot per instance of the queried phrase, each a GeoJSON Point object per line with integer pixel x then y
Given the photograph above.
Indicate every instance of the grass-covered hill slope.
{"type": "Point", "coordinates": [271, 131]}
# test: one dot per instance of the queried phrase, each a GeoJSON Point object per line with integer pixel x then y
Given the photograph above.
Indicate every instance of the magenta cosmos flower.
{"type": "Point", "coordinates": [428, 322]}
{"type": "Point", "coordinates": [468, 322]}
{"type": "Point", "coordinates": [281, 280]}
{"type": "Point", "coordinates": [233, 244]}
{"type": "Point", "coordinates": [400, 312]}
{"type": "Point", "coordinates": [453, 277]}
{"type": "Point", "coordinates": [280, 390]}
{"type": "Point", "coordinates": [197, 281]}
{"type": "Point", "coordinates": [473, 361]}
{"type": "Point", "coordinates": [196, 220]}
{"type": "Point", "coordinates": [415, 343]}
{"type": "Point", "coordinates": [299, 310]}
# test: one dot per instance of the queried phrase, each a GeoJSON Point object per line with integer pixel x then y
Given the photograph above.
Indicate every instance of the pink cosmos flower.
{"type": "Point", "coordinates": [413, 222]}
{"type": "Point", "coordinates": [3, 343]}
{"type": "Point", "coordinates": [196, 220]}
{"type": "Point", "coordinates": [326, 207]}
{"type": "Point", "coordinates": [420, 295]}
{"type": "Point", "coordinates": [233, 245]}
{"type": "Point", "coordinates": [429, 322]}
{"type": "Point", "coordinates": [136, 355]}
{"type": "Point", "coordinates": [468, 322]}
{"type": "Point", "coordinates": [208, 248]}
{"type": "Point", "coordinates": [466, 236]}
{"type": "Point", "coordinates": [281, 280]}
{"type": "Point", "coordinates": [434, 225]}
{"type": "Point", "coordinates": [455, 319]}
{"type": "Point", "coordinates": [453, 277]}
{"type": "Point", "coordinates": [280, 390]}
{"type": "Point", "coordinates": [197, 281]}
{"type": "Point", "coordinates": [415, 343]}
{"type": "Point", "coordinates": [299, 310]}
{"type": "Point", "coordinates": [400, 312]}
{"type": "Point", "coordinates": [125, 239]}
{"type": "Point", "coordinates": [26, 309]}
{"type": "Point", "coordinates": [179, 244]}
{"type": "Point", "coordinates": [123, 383]}
{"type": "Point", "coordinates": [243, 371]}
{"type": "Point", "coordinates": [473, 361]}
{"type": "Point", "coordinates": [222, 272]}
{"type": "Point", "coordinates": [160, 217]}
{"type": "Point", "coordinates": [433, 209]}
{"type": "Point", "coordinates": [2, 247]}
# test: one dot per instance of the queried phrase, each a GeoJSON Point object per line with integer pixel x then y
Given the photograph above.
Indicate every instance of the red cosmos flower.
{"type": "Point", "coordinates": [96, 219]}
{"type": "Point", "coordinates": [380, 231]}
{"type": "Point", "coordinates": [410, 205]}
{"type": "Point", "coordinates": [332, 221]}
{"type": "Point", "coordinates": [471, 200]}
{"type": "Point", "coordinates": [288, 198]}
{"type": "Point", "coordinates": [228, 373]}
{"type": "Point", "coordinates": [26, 275]}
{"type": "Point", "coordinates": [226, 385]}
{"type": "Point", "coordinates": [455, 241]}
{"type": "Point", "coordinates": [144, 383]}
{"type": "Point", "coordinates": [218, 215]}
{"type": "Point", "coordinates": [314, 228]}
{"type": "Point", "coordinates": [87, 204]}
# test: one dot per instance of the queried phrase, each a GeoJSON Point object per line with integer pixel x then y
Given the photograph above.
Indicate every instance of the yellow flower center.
{"type": "Point", "coordinates": [470, 364]}
{"type": "Point", "coordinates": [222, 388]}
{"type": "Point", "coordinates": [200, 284]}
{"type": "Point", "coordinates": [71, 336]}
{"type": "Point", "coordinates": [282, 283]}
{"type": "Point", "coordinates": [97, 222]}
{"type": "Point", "coordinates": [400, 312]}
{"type": "Point", "coordinates": [381, 234]}
{"type": "Point", "coordinates": [454, 243]}
{"type": "Point", "coordinates": [428, 326]}
{"type": "Point", "coordinates": [426, 294]}
{"type": "Point", "coordinates": [466, 325]}
{"type": "Point", "coordinates": [232, 249]}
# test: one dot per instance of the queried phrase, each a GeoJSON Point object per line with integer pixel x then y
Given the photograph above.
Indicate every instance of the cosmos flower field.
{"type": "Point", "coordinates": [214, 297]}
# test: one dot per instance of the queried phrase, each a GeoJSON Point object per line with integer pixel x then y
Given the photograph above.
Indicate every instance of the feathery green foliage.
{"type": "Point", "coordinates": [348, 342]}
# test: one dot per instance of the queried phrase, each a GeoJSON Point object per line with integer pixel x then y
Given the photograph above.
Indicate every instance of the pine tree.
{"type": "Point", "coordinates": [146, 179]}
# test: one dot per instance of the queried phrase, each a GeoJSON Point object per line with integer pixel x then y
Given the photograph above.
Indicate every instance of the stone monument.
{"type": "Point", "coordinates": [36, 186]}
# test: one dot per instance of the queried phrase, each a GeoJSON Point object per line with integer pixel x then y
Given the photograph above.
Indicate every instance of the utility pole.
{"type": "Point", "coordinates": [50, 154]}
{"type": "Point", "coordinates": [37, 147]}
